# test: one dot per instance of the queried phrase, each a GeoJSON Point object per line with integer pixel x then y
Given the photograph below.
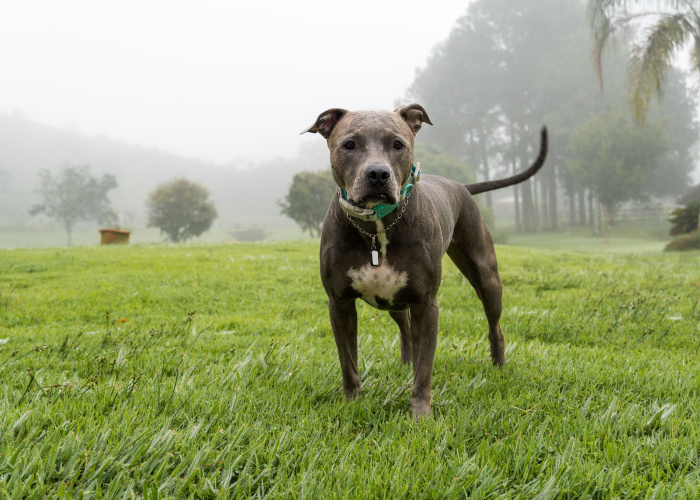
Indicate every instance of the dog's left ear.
{"type": "Point", "coordinates": [414, 115]}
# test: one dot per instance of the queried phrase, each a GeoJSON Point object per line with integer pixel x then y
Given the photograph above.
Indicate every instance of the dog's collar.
{"type": "Point", "coordinates": [379, 211]}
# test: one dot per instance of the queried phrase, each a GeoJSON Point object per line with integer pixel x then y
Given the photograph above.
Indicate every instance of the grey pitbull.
{"type": "Point", "coordinates": [384, 237]}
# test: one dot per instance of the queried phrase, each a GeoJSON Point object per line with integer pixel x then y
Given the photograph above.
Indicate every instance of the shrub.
{"type": "Point", "coordinates": [690, 241]}
{"type": "Point", "coordinates": [308, 199]}
{"type": "Point", "coordinates": [250, 234]}
{"type": "Point", "coordinates": [180, 209]}
{"type": "Point", "coordinates": [685, 220]}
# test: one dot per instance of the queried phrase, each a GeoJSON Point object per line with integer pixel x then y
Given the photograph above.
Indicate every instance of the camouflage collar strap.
{"type": "Point", "coordinates": [379, 211]}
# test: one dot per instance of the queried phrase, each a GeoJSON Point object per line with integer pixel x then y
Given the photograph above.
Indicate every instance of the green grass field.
{"type": "Point", "coordinates": [626, 239]}
{"type": "Point", "coordinates": [140, 236]}
{"type": "Point", "coordinates": [210, 371]}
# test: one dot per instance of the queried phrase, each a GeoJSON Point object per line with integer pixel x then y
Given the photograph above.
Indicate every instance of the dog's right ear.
{"type": "Point", "coordinates": [326, 122]}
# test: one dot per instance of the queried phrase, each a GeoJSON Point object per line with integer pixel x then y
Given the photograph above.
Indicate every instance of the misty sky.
{"type": "Point", "coordinates": [215, 80]}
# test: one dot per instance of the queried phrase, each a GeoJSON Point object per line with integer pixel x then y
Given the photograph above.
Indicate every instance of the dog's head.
{"type": "Point", "coordinates": [371, 151]}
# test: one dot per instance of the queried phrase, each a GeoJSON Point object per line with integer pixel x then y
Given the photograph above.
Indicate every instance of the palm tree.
{"type": "Point", "coordinates": [676, 22]}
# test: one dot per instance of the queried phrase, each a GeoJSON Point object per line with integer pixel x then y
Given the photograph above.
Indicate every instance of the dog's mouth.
{"type": "Point", "coordinates": [372, 199]}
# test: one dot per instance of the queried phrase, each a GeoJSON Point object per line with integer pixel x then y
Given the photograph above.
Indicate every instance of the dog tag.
{"type": "Point", "coordinates": [375, 258]}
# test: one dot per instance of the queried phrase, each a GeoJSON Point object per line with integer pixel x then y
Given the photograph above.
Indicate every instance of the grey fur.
{"type": "Point", "coordinates": [441, 216]}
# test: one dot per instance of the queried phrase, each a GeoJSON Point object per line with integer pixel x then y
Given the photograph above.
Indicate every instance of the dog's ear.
{"type": "Point", "coordinates": [326, 122]}
{"type": "Point", "coordinates": [414, 115]}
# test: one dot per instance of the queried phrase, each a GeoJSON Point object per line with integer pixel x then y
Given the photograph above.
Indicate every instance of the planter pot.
{"type": "Point", "coordinates": [114, 237]}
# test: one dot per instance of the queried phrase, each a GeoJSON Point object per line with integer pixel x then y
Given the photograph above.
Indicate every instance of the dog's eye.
{"type": "Point", "coordinates": [398, 145]}
{"type": "Point", "coordinates": [349, 145]}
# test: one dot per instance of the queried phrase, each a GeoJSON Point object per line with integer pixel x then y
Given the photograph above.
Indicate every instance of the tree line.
{"type": "Point", "coordinates": [181, 209]}
{"type": "Point", "coordinates": [509, 66]}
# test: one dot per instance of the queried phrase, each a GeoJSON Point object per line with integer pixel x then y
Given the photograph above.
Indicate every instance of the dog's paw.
{"type": "Point", "coordinates": [353, 393]}
{"type": "Point", "coordinates": [419, 409]}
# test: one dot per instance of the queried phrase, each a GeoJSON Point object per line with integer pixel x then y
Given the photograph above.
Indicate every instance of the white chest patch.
{"type": "Point", "coordinates": [381, 282]}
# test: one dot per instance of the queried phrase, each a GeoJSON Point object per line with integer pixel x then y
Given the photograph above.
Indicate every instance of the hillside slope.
{"type": "Point", "coordinates": [241, 194]}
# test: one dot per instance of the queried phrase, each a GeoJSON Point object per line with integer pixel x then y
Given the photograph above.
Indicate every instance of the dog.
{"type": "Point", "coordinates": [385, 233]}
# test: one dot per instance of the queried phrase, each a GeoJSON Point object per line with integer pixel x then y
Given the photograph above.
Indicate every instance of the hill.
{"type": "Point", "coordinates": [244, 192]}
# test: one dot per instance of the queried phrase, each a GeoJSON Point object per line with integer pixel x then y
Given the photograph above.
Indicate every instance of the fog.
{"type": "Point", "coordinates": [213, 80]}
{"type": "Point", "coordinates": [217, 92]}
{"type": "Point", "coordinates": [222, 85]}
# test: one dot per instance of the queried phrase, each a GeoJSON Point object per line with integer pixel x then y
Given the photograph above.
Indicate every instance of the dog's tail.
{"type": "Point", "coordinates": [481, 187]}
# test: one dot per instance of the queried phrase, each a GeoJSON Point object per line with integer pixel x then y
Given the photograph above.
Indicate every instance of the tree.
{"type": "Point", "coordinates": [613, 157]}
{"type": "Point", "coordinates": [677, 113]}
{"type": "Point", "coordinates": [181, 209]}
{"type": "Point", "coordinates": [507, 67]}
{"type": "Point", "coordinates": [460, 87]}
{"type": "Point", "coordinates": [73, 195]}
{"type": "Point", "coordinates": [676, 22]}
{"type": "Point", "coordinates": [435, 161]}
{"type": "Point", "coordinates": [308, 199]}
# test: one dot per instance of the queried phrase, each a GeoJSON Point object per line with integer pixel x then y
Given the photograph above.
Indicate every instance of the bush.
{"type": "Point", "coordinates": [250, 234]}
{"type": "Point", "coordinates": [436, 162]}
{"type": "Point", "coordinates": [690, 241]}
{"type": "Point", "coordinates": [500, 237]}
{"type": "Point", "coordinates": [181, 210]}
{"type": "Point", "coordinates": [685, 220]}
{"type": "Point", "coordinates": [308, 199]}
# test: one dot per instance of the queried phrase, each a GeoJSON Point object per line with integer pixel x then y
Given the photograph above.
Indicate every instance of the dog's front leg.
{"type": "Point", "coordinates": [424, 328]}
{"type": "Point", "coordinates": [344, 323]}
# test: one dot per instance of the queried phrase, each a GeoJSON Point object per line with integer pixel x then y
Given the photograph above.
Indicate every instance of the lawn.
{"type": "Point", "coordinates": [274, 229]}
{"type": "Point", "coordinates": [623, 239]}
{"type": "Point", "coordinates": [210, 371]}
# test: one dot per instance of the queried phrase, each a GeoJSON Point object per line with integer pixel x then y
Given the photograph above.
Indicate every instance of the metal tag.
{"type": "Point", "coordinates": [375, 258]}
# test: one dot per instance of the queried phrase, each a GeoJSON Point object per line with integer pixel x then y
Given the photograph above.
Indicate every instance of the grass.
{"type": "Point", "coordinates": [9, 239]}
{"type": "Point", "coordinates": [210, 371]}
{"type": "Point", "coordinates": [623, 239]}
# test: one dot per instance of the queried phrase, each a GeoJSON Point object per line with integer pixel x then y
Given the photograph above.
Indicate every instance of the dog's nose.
{"type": "Point", "coordinates": [378, 175]}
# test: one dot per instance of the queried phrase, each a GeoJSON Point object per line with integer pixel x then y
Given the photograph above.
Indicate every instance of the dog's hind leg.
{"type": "Point", "coordinates": [475, 257]}
{"type": "Point", "coordinates": [403, 319]}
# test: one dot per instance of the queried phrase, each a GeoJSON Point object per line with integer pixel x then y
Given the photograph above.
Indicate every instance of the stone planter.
{"type": "Point", "coordinates": [114, 237]}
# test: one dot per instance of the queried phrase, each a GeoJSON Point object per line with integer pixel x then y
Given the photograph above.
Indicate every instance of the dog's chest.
{"type": "Point", "coordinates": [378, 285]}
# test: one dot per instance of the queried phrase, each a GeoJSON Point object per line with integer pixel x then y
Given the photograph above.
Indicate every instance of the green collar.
{"type": "Point", "coordinates": [379, 211]}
